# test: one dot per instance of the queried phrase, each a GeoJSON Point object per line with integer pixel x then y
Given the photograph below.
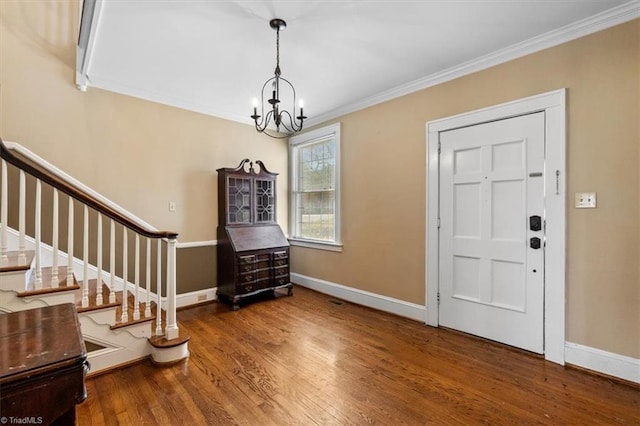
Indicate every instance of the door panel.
{"type": "Point", "coordinates": [491, 280]}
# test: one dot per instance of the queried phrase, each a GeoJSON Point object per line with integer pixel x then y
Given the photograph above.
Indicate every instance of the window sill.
{"type": "Point", "coordinates": [315, 244]}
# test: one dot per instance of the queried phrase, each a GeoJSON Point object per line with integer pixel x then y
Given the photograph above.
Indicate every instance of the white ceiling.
{"type": "Point", "coordinates": [341, 55]}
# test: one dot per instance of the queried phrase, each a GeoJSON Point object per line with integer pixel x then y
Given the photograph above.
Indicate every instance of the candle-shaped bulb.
{"type": "Point", "coordinates": [254, 101]}
{"type": "Point", "coordinates": [301, 104]}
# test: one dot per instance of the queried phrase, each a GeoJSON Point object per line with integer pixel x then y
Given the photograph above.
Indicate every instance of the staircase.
{"type": "Point", "coordinates": [126, 305]}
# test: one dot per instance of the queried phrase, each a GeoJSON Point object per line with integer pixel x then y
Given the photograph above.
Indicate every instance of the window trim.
{"type": "Point", "coordinates": [296, 142]}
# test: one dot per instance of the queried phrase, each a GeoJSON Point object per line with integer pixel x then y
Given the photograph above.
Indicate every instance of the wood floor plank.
{"type": "Point", "coordinates": [309, 359]}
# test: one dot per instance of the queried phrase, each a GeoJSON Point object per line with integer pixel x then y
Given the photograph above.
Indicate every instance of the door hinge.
{"type": "Point", "coordinates": [439, 147]}
{"type": "Point", "coordinates": [438, 298]}
{"type": "Point", "coordinates": [438, 223]}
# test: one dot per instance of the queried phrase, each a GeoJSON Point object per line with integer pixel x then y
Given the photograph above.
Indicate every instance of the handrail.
{"type": "Point", "coordinates": [80, 195]}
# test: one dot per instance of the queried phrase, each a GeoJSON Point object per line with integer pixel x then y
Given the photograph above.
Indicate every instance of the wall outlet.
{"type": "Point", "coordinates": [202, 297]}
{"type": "Point", "coordinates": [585, 200]}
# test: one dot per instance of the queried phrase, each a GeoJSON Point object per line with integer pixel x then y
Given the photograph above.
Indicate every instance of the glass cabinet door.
{"type": "Point", "coordinates": [239, 201]}
{"type": "Point", "coordinates": [265, 200]}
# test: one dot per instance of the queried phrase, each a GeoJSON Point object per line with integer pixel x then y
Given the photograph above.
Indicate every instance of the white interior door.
{"type": "Point", "coordinates": [491, 281]}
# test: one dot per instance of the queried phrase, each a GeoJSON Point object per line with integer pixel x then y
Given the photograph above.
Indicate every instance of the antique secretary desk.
{"type": "Point", "coordinates": [253, 252]}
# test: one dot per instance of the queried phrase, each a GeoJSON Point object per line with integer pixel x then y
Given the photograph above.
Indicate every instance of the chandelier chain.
{"type": "Point", "coordinates": [278, 51]}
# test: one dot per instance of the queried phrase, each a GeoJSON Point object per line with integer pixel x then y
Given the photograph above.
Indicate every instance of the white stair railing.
{"type": "Point", "coordinates": [57, 181]}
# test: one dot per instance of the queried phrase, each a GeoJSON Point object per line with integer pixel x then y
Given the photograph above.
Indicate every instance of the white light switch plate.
{"type": "Point", "coordinates": [585, 200]}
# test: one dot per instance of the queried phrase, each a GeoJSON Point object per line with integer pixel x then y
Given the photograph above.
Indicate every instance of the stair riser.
{"type": "Point", "coordinates": [103, 316]}
{"type": "Point", "coordinates": [15, 281]}
{"type": "Point", "coordinates": [12, 303]}
{"type": "Point", "coordinates": [52, 298]}
{"type": "Point", "coordinates": [142, 330]}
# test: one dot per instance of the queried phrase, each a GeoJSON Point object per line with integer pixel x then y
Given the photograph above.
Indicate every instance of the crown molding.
{"type": "Point", "coordinates": [601, 21]}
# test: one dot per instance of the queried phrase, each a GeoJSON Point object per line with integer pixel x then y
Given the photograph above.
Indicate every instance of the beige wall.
{"type": "Point", "coordinates": [142, 155]}
{"type": "Point", "coordinates": [384, 193]}
{"type": "Point", "coordinates": [139, 154]}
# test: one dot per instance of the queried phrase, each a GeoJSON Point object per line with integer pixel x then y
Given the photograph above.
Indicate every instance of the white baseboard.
{"type": "Point", "coordinates": [361, 297]}
{"type": "Point", "coordinates": [195, 297]}
{"type": "Point", "coordinates": [609, 363]}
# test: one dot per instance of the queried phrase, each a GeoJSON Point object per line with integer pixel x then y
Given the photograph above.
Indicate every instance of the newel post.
{"type": "Point", "coordinates": [171, 331]}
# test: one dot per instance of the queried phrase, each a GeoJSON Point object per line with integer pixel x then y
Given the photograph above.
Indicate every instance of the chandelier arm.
{"type": "Point", "coordinates": [293, 125]}
{"type": "Point", "coordinates": [275, 136]}
{"type": "Point", "coordinates": [262, 126]}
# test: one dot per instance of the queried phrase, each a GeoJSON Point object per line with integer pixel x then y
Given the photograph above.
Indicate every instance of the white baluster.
{"type": "Point", "coordinates": [136, 303]}
{"type": "Point", "coordinates": [38, 231]}
{"type": "Point", "coordinates": [171, 330]}
{"type": "Point", "coordinates": [70, 244]}
{"type": "Point", "coordinates": [85, 257]}
{"type": "Point", "coordinates": [147, 307]}
{"type": "Point", "coordinates": [112, 262]}
{"type": "Point", "coordinates": [55, 281]}
{"type": "Point", "coordinates": [99, 300]}
{"type": "Point", "coordinates": [159, 289]}
{"type": "Point", "coordinates": [4, 213]}
{"type": "Point", "coordinates": [22, 219]}
{"type": "Point", "coordinates": [125, 266]}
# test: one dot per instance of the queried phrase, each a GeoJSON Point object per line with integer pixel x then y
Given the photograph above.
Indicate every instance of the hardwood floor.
{"type": "Point", "coordinates": [310, 359]}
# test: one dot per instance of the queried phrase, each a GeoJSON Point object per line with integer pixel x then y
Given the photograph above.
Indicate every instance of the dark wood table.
{"type": "Point", "coordinates": [43, 362]}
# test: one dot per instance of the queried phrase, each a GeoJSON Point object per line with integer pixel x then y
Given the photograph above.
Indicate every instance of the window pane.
{"type": "Point", "coordinates": [317, 218]}
{"type": "Point", "coordinates": [317, 166]}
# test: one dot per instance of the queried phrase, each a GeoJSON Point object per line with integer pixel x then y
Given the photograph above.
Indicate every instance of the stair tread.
{"type": "Point", "coordinates": [93, 304]}
{"type": "Point", "coordinates": [13, 264]}
{"type": "Point", "coordinates": [130, 309]}
{"type": "Point", "coordinates": [162, 342]}
{"type": "Point", "coordinates": [47, 284]}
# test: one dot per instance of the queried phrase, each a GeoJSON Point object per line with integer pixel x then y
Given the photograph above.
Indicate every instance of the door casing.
{"type": "Point", "coordinates": [553, 104]}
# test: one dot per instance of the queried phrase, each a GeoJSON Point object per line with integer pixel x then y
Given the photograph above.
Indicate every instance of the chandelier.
{"type": "Point", "coordinates": [281, 118]}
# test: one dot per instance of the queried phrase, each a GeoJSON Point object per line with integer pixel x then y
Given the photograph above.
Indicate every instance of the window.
{"type": "Point", "coordinates": [315, 188]}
